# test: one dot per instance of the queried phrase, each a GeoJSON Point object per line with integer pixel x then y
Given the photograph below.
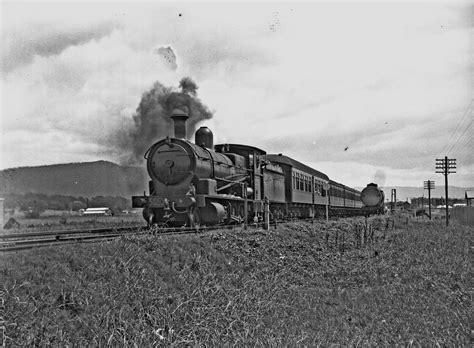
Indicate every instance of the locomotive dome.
{"type": "Point", "coordinates": [204, 137]}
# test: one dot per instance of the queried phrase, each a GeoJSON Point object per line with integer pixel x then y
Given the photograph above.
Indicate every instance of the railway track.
{"type": "Point", "coordinates": [25, 241]}
{"type": "Point", "coordinates": [22, 241]}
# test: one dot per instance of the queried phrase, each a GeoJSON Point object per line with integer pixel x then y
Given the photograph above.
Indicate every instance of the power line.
{"type": "Point", "coordinates": [448, 147]}
{"type": "Point", "coordinates": [465, 113]}
{"type": "Point", "coordinates": [464, 147]}
{"type": "Point", "coordinates": [459, 138]}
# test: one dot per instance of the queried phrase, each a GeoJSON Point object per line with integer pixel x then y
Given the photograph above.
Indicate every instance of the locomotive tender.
{"type": "Point", "coordinates": [199, 183]}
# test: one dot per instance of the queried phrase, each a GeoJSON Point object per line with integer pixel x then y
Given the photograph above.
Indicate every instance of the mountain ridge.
{"type": "Point", "coordinates": [105, 178]}
{"type": "Point", "coordinates": [86, 179]}
{"type": "Point", "coordinates": [406, 192]}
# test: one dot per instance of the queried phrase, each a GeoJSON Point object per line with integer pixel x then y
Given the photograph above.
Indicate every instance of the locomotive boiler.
{"type": "Point", "coordinates": [192, 183]}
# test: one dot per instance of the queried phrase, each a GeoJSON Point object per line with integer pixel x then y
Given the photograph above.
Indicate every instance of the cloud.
{"type": "Point", "coordinates": [44, 40]}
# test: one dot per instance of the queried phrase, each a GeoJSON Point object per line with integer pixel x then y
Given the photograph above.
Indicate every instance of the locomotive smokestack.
{"type": "Point", "coordinates": [179, 117]}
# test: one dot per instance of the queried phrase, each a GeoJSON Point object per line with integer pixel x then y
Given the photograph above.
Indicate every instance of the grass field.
{"type": "Point", "coordinates": [331, 283]}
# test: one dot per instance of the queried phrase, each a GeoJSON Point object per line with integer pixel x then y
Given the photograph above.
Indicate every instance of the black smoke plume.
{"type": "Point", "coordinates": [152, 119]}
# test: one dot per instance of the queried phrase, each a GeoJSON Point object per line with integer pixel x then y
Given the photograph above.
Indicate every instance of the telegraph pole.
{"type": "Point", "coordinates": [393, 200]}
{"type": "Point", "coordinates": [429, 185]}
{"type": "Point", "coordinates": [446, 166]}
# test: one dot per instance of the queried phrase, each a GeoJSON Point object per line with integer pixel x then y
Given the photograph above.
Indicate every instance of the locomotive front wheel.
{"type": "Point", "coordinates": [228, 217]}
{"type": "Point", "coordinates": [241, 212]}
{"type": "Point", "coordinates": [195, 218]}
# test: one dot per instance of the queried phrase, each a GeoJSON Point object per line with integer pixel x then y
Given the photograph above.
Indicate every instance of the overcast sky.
{"type": "Point", "coordinates": [359, 91]}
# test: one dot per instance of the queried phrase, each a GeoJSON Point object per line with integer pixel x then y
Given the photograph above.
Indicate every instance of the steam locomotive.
{"type": "Point", "coordinates": [373, 198]}
{"type": "Point", "coordinates": [199, 183]}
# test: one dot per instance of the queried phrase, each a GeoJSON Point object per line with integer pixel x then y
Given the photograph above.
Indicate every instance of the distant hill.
{"type": "Point", "coordinates": [404, 192]}
{"type": "Point", "coordinates": [104, 178]}
{"type": "Point", "coordinates": [87, 179]}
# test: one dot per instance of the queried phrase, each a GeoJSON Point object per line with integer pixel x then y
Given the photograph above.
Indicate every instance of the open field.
{"type": "Point", "coordinates": [332, 283]}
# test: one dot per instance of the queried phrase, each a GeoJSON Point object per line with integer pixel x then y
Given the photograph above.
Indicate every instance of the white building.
{"type": "Point", "coordinates": [98, 211]}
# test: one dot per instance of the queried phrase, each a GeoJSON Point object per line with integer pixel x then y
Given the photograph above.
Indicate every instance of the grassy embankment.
{"type": "Point", "coordinates": [337, 283]}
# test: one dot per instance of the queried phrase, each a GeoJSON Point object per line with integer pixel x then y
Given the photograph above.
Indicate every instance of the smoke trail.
{"type": "Point", "coordinates": [168, 57]}
{"type": "Point", "coordinates": [379, 178]}
{"type": "Point", "coordinates": [152, 120]}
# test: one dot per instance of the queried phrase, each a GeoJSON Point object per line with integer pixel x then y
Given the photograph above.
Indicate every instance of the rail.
{"type": "Point", "coordinates": [24, 241]}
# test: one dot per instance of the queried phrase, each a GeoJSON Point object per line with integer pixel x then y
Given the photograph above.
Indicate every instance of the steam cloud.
{"type": "Point", "coordinates": [379, 178]}
{"type": "Point", "coordinates": [152, 120]}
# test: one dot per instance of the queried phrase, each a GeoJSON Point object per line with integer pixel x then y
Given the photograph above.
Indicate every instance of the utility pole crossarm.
{"type": "Point", "coordinates": [428, 185]}
{"type": "Point", "coordinates": [446, 166]}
